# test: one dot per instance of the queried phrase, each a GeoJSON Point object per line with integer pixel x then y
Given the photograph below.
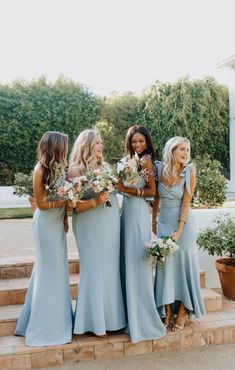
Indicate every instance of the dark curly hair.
{"type": "Point", "coordinates": [149, 141]}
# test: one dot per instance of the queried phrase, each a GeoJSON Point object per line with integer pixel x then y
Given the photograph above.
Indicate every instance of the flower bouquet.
{"type": "Point", "coordinates": [68, 190]}
{"type": "Point", "coordinates": [101, 180]}
{"type": "Point", "coordinates": [159, 249]}
{"type": "Point", "coordinates": [129, 170]}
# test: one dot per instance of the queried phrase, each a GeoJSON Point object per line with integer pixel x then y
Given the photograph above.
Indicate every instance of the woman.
{"type": "Point", "coordinates": [46, 318]}
{"type": "Point", "coordinates": [177, 285]}
{"type": "Point", "coordinates": [143, 320]}
{"type": "Point", "coordinates": [96, 228]}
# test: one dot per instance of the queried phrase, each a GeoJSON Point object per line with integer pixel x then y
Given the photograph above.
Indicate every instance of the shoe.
{"type": "Point", "coordinates": [167, 320]}
{"type": "Point", "coordinates": [181, 320]}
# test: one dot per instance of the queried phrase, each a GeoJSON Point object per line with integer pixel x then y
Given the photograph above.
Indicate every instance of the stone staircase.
{"type": "Point", "coordinates": [217, 326]}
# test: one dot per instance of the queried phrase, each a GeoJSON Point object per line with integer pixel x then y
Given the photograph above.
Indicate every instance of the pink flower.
{"type": "Point", "coordinates": [61, 191]}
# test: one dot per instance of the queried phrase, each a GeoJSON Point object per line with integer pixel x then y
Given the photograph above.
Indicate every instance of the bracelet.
{"type": "Point", "coordinates": [182, 219]}
{"type": "Point", "coordinates": [154, 223]}
{"type": "Point", "coordinates": [138, 192]}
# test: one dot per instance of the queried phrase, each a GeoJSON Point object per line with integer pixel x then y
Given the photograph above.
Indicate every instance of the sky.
{"type": "Point", "coordinates": [115, 45]}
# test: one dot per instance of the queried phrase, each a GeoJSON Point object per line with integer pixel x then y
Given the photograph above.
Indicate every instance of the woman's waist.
{"type": "Point", "coordinates": [170, 203]}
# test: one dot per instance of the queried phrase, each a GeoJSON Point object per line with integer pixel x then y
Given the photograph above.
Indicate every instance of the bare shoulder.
{"type": "Point", "coordinates": [146, 161]}
{"type": "Point", "coordinates": [38, 169]}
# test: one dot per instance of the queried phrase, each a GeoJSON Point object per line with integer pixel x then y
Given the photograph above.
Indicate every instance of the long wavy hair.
{"type": "Point", "coordinates": [150, 149]}
{"type": "Point", "coordinates": [83, 151]}
{"type": "Point", "coordinates": [169, 172]}
{"type": "Point", "coordinates": [52, 153]}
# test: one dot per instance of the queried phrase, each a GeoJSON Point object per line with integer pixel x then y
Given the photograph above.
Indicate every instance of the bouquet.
{"type": "Point", "coordinates": [101, 180]}
{"type": "Point", "coordinates": [160, 249]}
{"type": "Point", "coordinates": [130, 172]}
{"type": "Point", "coordinates": [68, 190]}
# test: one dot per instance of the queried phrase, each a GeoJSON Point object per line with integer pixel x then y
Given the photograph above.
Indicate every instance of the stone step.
{"type": "Point", "coordinates": [13, 291]}
{"type": "Point", "coordinates": [10, 313]}
{"type": "Point", "coordinates": [20, 267]}
{"type": "Point", "coordinates": [214, 328]}
{"type": "Point", "coordinates": [212, 300]}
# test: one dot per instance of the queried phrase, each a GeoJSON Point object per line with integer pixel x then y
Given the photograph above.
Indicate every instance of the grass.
{"type": "Point", "coordinates": [6, 213]}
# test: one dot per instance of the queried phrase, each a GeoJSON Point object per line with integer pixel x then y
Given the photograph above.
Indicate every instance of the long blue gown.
{"type": "Point", "coordinates": [144, 322]}
{"type": "Point", "coordinates": [179, 280]}
{"type": "Point", "coordinates": [46, 317]}
{"type": "Point", "coordinates": [100, 306]}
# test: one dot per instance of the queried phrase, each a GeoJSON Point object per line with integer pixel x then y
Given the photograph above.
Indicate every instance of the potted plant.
{"type": "Point", "coordinates": [23, 186]}
{"type": "Point", "coordinates": [220, 240]}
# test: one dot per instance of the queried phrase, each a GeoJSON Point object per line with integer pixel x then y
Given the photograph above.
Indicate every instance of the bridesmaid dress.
{"type": "Point", "coordinates": [99, 305]}
{"type": "Point", "coordinates": [46, 317]}
{"type": "Point", "coordinates": [179, 280]}
{"type": "Point", "coordinates": [144, 322]}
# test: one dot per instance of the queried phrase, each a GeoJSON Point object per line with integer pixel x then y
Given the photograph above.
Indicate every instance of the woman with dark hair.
{"type": "Point", "coordinates": [144, 322]}
{"type": "Point", "coordinates": [46, 318]}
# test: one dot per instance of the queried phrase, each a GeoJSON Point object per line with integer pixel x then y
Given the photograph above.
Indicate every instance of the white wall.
{"type": "Point", "coordinates": [204, 218]}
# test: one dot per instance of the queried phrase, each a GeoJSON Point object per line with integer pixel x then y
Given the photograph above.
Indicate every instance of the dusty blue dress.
{"type": "Point", "coordinates": [46, 317]}
{"type": "Point", "coordinates": [179, 279]}
{"type": "Point", "coordinates": [100, 306]}
{"type": "Point", "coordinates": [144, 322]}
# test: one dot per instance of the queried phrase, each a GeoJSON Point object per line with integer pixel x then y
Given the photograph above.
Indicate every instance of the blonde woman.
{"type": "Point", "coordinates": [96, 228]}
{"type": "Point", "coordinates": [177, 284]}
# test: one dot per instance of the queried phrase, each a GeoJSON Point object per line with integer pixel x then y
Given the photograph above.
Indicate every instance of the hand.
{"type": "Point", "coordinates": [120, 186]}
{"type": "Point", "coordinates": [102, 198]}
{"type": "Point", "coordinates": [176, 235]}
{"type": "Point", "coordinates": [66, 224]}
{"type": "Point", "coordinates": [71, 204]}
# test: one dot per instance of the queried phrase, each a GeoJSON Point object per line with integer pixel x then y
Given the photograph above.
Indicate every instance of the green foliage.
{"type": "Point", "coordinates": [23, 184]}
{"type": "Point", "coordinates": [198, 110]}
{"type": "Point", "coordinates": [27, 110]}
{"type": "Point", "coordinates": [211, 186]}
{"type": "Point", "coordinates": [118, 114]}
{"type": "Point", "coordinates": [220, 239]}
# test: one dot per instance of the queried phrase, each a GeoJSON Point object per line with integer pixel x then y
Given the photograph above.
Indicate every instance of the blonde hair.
{"type": "Point", "coordinates": [83, 151]}
{"type": "Point", "coordinates": [52, 152]}
{"type": "Point", "coordinates": [169, 172]}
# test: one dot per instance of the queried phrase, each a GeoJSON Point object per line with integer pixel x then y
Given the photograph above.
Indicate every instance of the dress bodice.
{"type": "Point", "coordinates": [171, 196]}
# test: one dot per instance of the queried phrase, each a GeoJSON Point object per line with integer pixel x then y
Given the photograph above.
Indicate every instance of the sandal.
{"type": "Point", "coordinates": [167, 319]}
{"type": "Point", "coordinates": [181, 320]}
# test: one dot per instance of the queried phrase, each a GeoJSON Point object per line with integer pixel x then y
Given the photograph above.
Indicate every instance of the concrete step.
{"type": "Point", "coordinates": [21, 267]}
{"type": "Point", "coordinates": [13, 291]}
{"type": "Point", "coordinates": [214, 328]}
{"type": "Point", "coordinates": [10, 313]}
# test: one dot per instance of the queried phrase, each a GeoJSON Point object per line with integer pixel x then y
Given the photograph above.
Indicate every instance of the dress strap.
{"type": "Point", "coordinates": [158, 166]}
{"type": "Point", "coordinates": [187, 174]}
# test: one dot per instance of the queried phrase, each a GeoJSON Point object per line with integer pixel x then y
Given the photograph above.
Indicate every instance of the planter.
{"type": "Point", "coordinates": [227, 277]}
{"type": "Point", "coordinates": [33, 204]}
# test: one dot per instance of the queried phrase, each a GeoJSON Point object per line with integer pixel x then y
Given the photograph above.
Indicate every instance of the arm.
{"type": "Point", "coordinates": [156, 206]}
{"type": "Point", "coordinates": [185, 206]}
{"type": "Point", "coordinates": [150, 187]}
{"type": "Point", "coordinates": [84, 205]}
{"type": "Point", "coordinates": [40, 193]}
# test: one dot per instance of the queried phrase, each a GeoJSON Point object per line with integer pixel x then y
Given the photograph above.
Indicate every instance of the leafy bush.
{"type": "Point", "coordinates": [220, 239]}
{"type": "Point", "coordinates": [23, 184]}
{"type": "Point", "coordinates": [211, 185]}
{"type": "Point", "coordinates": [27, 110]}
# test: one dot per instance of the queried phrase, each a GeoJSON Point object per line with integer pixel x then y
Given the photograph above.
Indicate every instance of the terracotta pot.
{"type": "Point", "coordinates": [33, 204]}
{"type": "Point", "coordinates": [227, 277]}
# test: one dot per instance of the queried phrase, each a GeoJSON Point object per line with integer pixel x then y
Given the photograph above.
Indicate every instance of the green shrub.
{"type": "Point", "coordinates": [211, 185]}
{"type": "Point", "coordinates": [23, 184]}
{"type": "Point", "coordinates": [27, 110]}
{"type": "Point", "coordinates": [220, 239]}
